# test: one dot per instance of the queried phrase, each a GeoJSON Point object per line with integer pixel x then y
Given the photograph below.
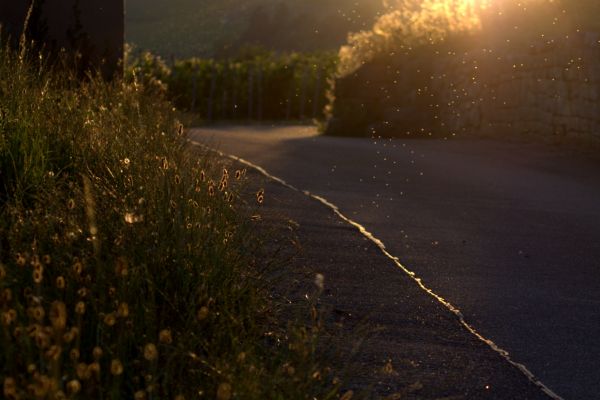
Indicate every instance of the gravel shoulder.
{"type": "Point", "coordinates": [411, 346]}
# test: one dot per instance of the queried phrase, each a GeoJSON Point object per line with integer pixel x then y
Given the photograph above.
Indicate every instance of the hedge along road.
{"type": "Point", "coordinates": [508, 233]}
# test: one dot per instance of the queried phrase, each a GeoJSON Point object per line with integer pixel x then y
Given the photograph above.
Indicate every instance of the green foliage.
{"type": "Point", "coordinates": [208, 28]}
{"type": "Point", "coordinates": [256, 85]}
{"type": "Point", "coordinates": [409, 24]}
{"type": "Point", "coordinates": [414, 23]}
{"type": "Point", "coordinates": [129, 264]}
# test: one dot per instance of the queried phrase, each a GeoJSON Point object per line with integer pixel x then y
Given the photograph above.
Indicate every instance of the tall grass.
{"type": "Point", "coordinates": [129, 265]}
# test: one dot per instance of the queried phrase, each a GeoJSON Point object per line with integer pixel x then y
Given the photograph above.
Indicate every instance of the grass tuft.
{"type": "Point", "coordinates": [128, 264]}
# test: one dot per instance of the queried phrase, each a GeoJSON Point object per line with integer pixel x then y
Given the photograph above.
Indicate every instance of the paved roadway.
{"type": "Point", "coordinates": [507, 232]}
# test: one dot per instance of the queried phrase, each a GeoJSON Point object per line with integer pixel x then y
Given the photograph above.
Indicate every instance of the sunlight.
{"type": "Point", "coordinates": [412, 23]}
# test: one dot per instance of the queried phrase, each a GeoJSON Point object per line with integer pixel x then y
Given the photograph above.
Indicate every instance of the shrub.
{"type": "Point", "coordinates": [256, 85]}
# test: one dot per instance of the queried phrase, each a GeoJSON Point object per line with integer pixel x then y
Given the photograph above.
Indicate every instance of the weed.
{"type": "Point", "coordinates": [126, 271]}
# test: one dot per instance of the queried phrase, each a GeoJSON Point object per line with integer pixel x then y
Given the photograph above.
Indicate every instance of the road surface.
{"type": "Point", "coordinates": [509, 233]}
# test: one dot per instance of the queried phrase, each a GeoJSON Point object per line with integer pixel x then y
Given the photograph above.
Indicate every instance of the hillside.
{"type": "Point", "coordinates": [185, 28]}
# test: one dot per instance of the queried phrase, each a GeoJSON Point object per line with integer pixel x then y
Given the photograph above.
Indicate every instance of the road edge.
{"type": "Point", "coordinates": [413, 276]}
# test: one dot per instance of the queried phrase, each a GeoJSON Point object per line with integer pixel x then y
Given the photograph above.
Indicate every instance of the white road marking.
{"type": "Point", "coordinates": [521, 367]}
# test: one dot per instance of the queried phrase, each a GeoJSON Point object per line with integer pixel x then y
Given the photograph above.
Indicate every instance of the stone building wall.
{"type": "Point", "coordinates": [551, 87]}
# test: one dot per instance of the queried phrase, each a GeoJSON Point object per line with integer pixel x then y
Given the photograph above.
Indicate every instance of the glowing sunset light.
{"type": "Point", "coordinates": [411, 23]}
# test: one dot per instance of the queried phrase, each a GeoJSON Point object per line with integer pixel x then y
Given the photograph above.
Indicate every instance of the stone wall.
{"type": "Point", "coordinates": [549, 87]}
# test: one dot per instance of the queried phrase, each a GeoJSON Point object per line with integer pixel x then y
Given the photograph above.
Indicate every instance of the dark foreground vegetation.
{"type": "Point", "coordinates": [129, 266]}
{"type": "Point", "coordinates": [256, 85]}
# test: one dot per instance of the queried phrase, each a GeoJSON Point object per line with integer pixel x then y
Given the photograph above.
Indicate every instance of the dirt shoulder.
{"type": "Point", "coordinates": [414, 347]}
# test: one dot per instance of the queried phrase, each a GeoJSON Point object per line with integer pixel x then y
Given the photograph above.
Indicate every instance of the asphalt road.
{"type": "Point", "coordinates": [509, 233]}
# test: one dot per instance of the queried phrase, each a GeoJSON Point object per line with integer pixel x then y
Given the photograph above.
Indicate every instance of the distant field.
{"type": "Point", "coordinates": [187, 28]}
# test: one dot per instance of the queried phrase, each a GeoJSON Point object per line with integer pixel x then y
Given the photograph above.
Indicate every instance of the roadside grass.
{"type": "Point", "coordinates": [129, 265]}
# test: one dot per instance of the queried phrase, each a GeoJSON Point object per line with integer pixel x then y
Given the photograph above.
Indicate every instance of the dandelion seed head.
{"type": "Point", "coordinates": [74, 356]}
{"type": "Point", "coordinates": [165, 336]}
{"type": "Point", "coordinates": [38, 267]}
{"type": "Point", "coordinates": [18, 332]}
{"type": "Point", "coordinates": [7, 295]}
{"type": "Point", "coordinates": [58, 316]}
{"type": "Point", "coordinates": [388, 368]}
{"type": "Point", "coordinates": [116, 367]}
{"type": "Point", "coordinates": [150, 352]}
{"type": "Point", "coordinates": [97, 353]}
{"type": "Point", "coordinates": [9, 317]}
{"type": "Point", "coordinates": [140, 395]}
{"type": "Point", "coordinates": [20, 260]}
{"type": "Point", "coordinates": [121, 269]}
{"type": "Point", "coordinates": [9, 388]}
{"type": "Point", "coordinates": [53, 353]}
{"type": "Point", "coordinates": [68, 337]}
{"type": "Point", "coordinates": [202, 313]}
{"type": "Point", "coordinates": [224, 391]}
{"type": "Point", "coordinates": [80, 308]}
{"type": "Point", "coordinates": [38, 276]}
{"type": "Point", "coordinates": [110, 319]}
{"type": "Point", "coordinates": [83, 371]}
{"type": "Point", "coordinates": [94, 368]}
{"type": "Point", "coordinates": [260, 196]}
{"type": "Point", "coordinates": [73, 387]}
{"type": "Point", "coordinates": [60, 282]}
{"type": "Point", "coordinates": [123, 311]}
{"type": "Point", "coordinates": [35, 260]}
{"type": "Point", "coordinates": [320, 281]}
{"type": "Point", "coordinates": [77, 268]}
{"type": "Point", "coordinates": [42, 341]}
{"type": "Point", "coordinates": [37, 313]}
{"type": "Point", "coordinates": [60, 395]}
{"type": "Point", "coordinates": [132, 218]}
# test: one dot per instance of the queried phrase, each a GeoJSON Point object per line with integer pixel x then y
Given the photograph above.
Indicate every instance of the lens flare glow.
{"type": "Point", "coordinates": [412, 23]}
